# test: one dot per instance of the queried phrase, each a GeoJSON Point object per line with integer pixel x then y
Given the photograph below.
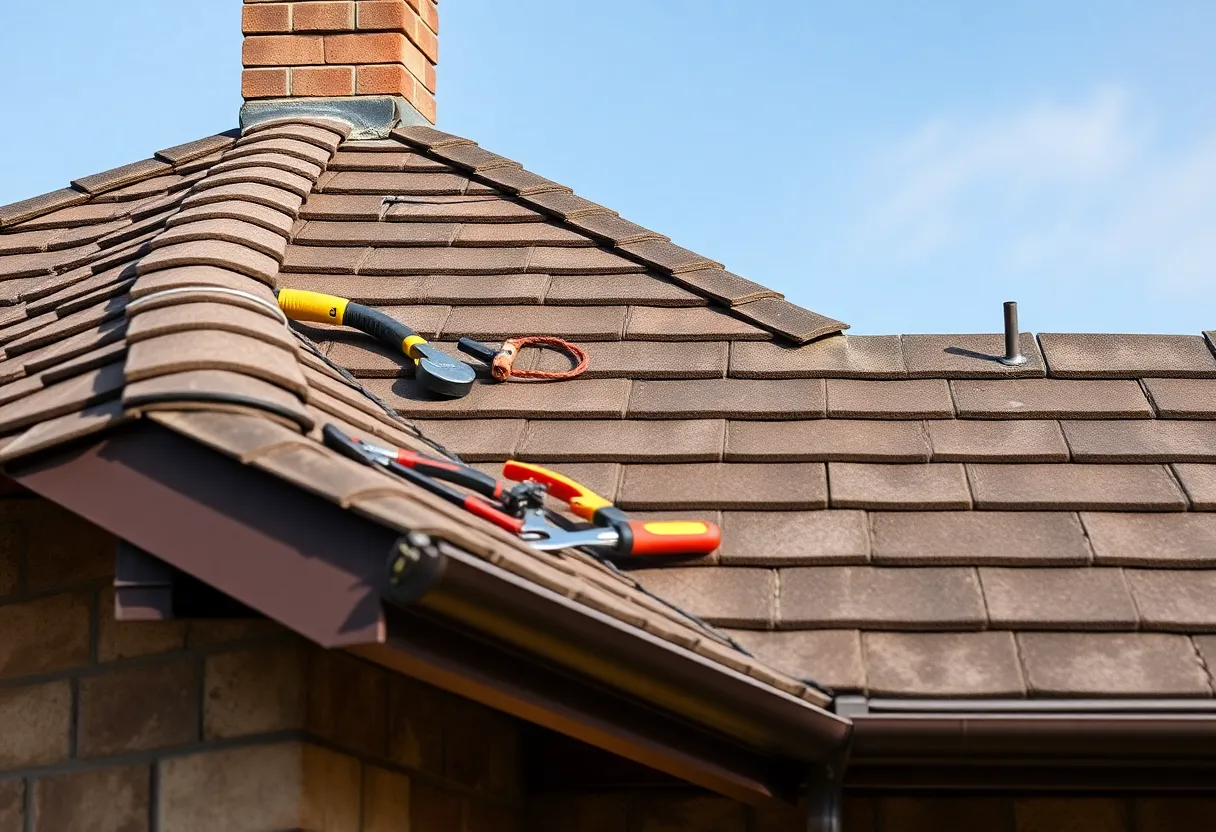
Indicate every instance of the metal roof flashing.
{"type": "Point", "coordinates": [370, 116]}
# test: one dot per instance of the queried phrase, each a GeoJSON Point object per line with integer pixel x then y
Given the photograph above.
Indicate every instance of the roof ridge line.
{"type": "Point", "coordinates": [743, 298]}
{"type": "Point", "coordinates": [82, 190]}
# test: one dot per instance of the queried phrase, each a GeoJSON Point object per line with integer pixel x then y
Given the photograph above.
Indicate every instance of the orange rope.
{"type": "Point", "coordinates": [503, 367]}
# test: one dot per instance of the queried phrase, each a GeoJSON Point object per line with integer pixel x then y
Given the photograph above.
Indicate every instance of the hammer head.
{"type": "Point", "coordinates": [441, 374]}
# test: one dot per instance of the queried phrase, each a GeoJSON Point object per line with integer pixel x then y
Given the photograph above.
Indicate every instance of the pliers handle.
{"type": "Point", "coordinates": [634, 537]}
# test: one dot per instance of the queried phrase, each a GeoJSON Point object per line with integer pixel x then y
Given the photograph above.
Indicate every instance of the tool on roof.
{"type": "Point", "coordinates": [617, 531]}
{"type": "Point", "coordinates": [502, 360]}
{"type": "Point", "coordinates": [435, 370]}
{"type": "Point", "coordinates": [521, 508]}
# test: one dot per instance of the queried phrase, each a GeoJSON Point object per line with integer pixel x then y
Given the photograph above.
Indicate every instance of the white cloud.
{"type": "Point", "coordinates": [1079, 191]}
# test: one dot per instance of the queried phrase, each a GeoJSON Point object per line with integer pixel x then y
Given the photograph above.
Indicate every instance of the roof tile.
{"type": "Point", "coordinates": [428, 137]}
{"type": "Point", "coordinates": [367, 358]}
{"type": "Point", "coordinates": [397, 184]}
{"type": "Point", "coordinates": [794, 538]}
{"type": "Point", "coordinates": [218, 387]}
{"type": "Point", "coordinates": [125, 175]}
{"type": "Point", "coordinates": [377, 233]}
{"type": "Point", "coordinates": [236, 209]}
{"type": "Point", "coordinates": [1200, 484]}
{"type": "Point", "coordinates": [851, 356]}
{"type": "Point", "coordinates": [580, 261]}
{"type": "Point", "coordinates": [837, 597]}
{"type": "Point", "coordinates": [644, 360]}
{"type": "Point", "coordinates": [1121, 539]}
{"type": "Point", "coordinates": [56, 330]}
{"type": "Point", "coordinates": [67, 396]}
{"type": "Point", "coordinates": [647, 289]}
{"type": "Point", "coordinates": [239, 232]}
{"type": "Point", "coordinates": [67, 211]}
{"type": "Point", "coordinates": [613, 229]}
{"type": "Point", "coordinates": [324, 133]}
{"type": "Point", "coordinates": [1050, 399]}
{"type": "Point", "coordinates": [914, 399]}
{"type": "Point", "coordinates": [969, 356]}
{"type": "Point", "coordinates": [31, 242]}
{"type": "Point", "coordinates": [589, 323]}
{"type": "Point", "coordinates": [784, 318]}
{"type": "Point", "coordinates": [623, 441]}
{"type": "Point", "coordinates": [367, 159]}
{"type": "Point", "coordinates": [225, 255]}
{"type": "Point", "coordinates": [476, 440]}
{"type": "Point", "coordinates": [1058, 599]}
{"type": "Point", "coordinates": [724, 286]}
{"type": "Point", "coordinates": [28, 209]}
{"type": "Point", "coordinates": [1075, 486]}
{"type": "Point", "coordinates": [827, 439]}
{"type": "Point", "coordinates": [653, 323]}
{"type": "Point", "coordinates": [423, 209]}
{"type": "Point", "coordinates": [1141, 441]}
{"type": "Point", "coordinates": [258, 194]}
{"type": "Point", "coordinates": [1019, 440]}
{"type": "Point", "coordinates": [997, 538]}
{"type": "Point", "coordinates": [397, 261]}
{"type": "Point", "coordinates": [727, 597]}
{"type": "Point", "coordinates": [518, 234]}
{"type": "Point", "coordinates": [521, 182]}
{"type": "Point", "coordinates": [668, 256]}
{"type": "Point", "coordinates": [308, 170]}
{"type": "Point", "coordinates": [188, 152]}
{"type": "Point", "coordinates": [727, 398]}
{"type": "Point", "coordinates": [294, 148]}
{"type": "Point", "coordinates": [1128, 356]}
{"type": "Point", "coordinates": [1178, 398]}
{"type": "Point", "coordinates": [943, 664]}
{"type": "Point", "coordinates": [472, 158]}
{"type": "Point", "coordinates": [273, 177]}
{"type": "Point", "coordinates": [189, 316]}
{"type": "Point", "coordinates": [931, 486]}
{"type": "Point", "coordinates": [711, 485]}
{"type": "Point", "coordinates": [323, 260]}
{"type": "Point", "coordinates": [1176, 601]}
{"type": "Point", "coordinates": [66, 428]}
{"type": "Point", "coordinates": [579, 398]}
{"type": "Point", "coordinates": [830, 657]}
{"type": "Point", "coordinates": [565, 205]}
{"type": "Point", "coordinates": [57, 352]}
{"type": "Point", "coordinates": [214, 350]}
{"type": "Point", "coordinates": [1111, 664]}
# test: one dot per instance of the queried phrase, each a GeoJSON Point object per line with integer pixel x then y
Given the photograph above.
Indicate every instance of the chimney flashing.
{"type": "Point", "coordinates": [370, 116]}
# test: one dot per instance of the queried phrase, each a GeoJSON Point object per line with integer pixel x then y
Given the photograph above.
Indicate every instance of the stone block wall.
{"type": "Point", "coordinates": [196, 726]}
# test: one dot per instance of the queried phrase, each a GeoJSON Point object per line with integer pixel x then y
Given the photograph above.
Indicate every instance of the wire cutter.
{"type": "Point", "coordinates": [520, 509]}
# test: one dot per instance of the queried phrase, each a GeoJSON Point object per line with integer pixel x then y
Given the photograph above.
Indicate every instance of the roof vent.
{"type": "Point", "coordinates": [1013, 349]}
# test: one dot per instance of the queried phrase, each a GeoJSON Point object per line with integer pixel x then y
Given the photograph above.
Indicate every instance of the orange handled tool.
{"type": "Point", "coordinates": [633, 537]}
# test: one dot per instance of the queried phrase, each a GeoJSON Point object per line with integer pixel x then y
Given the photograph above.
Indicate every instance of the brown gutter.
{"type": "Point", "coordinates": [1043, 744]}
{"type": "Point", "coordinates": [321, 571]}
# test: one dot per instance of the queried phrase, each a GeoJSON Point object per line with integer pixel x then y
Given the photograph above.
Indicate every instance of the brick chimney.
{"type": "Point", "coordinates": [335, 49]}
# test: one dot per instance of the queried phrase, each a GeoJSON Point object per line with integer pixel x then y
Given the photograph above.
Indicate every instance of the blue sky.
{"type": "Point", "coordinates": [904, 167]}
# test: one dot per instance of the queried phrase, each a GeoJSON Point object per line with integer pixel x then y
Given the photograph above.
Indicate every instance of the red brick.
{"type": "Point", "coordinates": [323, 80]}
{"type": "Point", "coordinates": [385, 79]}
{"type": "Point", "coordinates": [109, 800]}
{"type": "Point", "coordinates": [137, 710]}
{"type": "Point", "coordinates": [323, 17]}
{"type": "Point", "coordinates": [379, 48]}
{"type": "Point", "coordinates": [284, 50]}
{"type": "Point", "coordinates": [430, 14]}
{"type": "Point", "coordinates": [265, 83]}
{"type": "Point", "coordinates": [266, 17]}
{"type": "Point", "coordinates": [424, 103]}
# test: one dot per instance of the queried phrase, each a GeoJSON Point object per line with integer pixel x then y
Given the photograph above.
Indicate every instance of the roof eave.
{"type": "Point", "coordinates": [320, 571]}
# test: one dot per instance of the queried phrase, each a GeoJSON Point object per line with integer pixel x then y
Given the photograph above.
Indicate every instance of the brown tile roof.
{"type": "Point", "coordinates": [902, 515]}
{"type": "Point", "coordinates": [147, 293]}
